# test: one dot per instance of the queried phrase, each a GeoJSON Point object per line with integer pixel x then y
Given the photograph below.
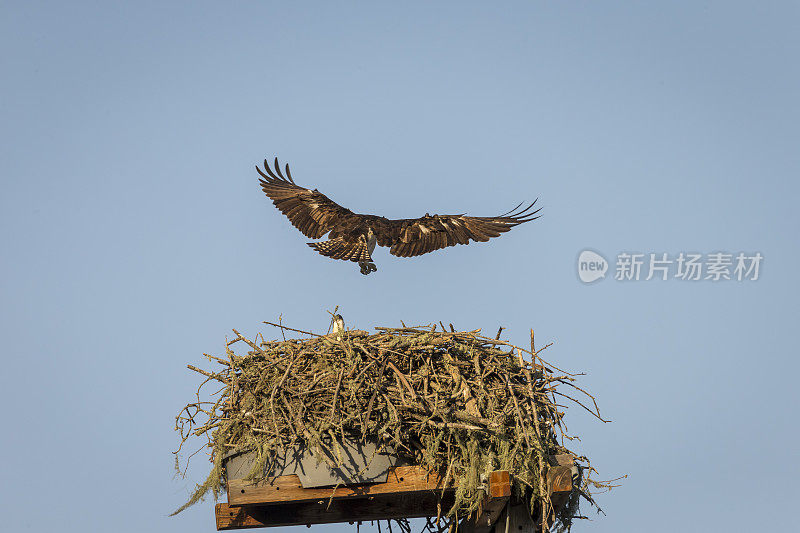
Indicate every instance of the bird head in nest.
{"type": "Point", "coordinates": [338, 324]}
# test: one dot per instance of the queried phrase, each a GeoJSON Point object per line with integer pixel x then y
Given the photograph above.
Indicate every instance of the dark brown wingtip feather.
{"type": "Point", "coordinates": [289, 174]}
{"type": "Point", "coordinates": [278, 169]}
{"type": "Point", "coordinates": [528, 217]}
{"type": "Point", "coordinates": [524, 215]}
{"type": "Point", "coordinates": [270, 176]}
{"type": "Point", "coordinates": [516, 212]}
{"type": "Point", "coordinates": [258, 169]}
{"type": "Point", "coordinates": [508, 213]}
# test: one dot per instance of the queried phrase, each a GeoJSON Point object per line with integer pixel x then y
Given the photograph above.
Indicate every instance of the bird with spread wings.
{"type": "Point", "coordinates": [352, 237]}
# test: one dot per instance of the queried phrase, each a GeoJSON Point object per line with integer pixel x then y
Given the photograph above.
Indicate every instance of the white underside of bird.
{"type": "Point", "coordinates": [338, 324]}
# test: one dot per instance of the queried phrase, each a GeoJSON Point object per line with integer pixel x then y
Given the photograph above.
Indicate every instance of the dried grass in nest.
{"type": "Point", "coordinates": [456, 402]}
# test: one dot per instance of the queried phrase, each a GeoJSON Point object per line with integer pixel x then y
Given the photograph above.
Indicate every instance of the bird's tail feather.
{"type": "Point", "coordinates": [338, 248]}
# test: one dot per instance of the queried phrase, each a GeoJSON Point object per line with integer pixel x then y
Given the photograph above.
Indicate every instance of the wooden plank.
{"type": "Point", "coordinates": [498, 494]}
{"type": "Point", "coordinates": [380, 507]}
{"type": "Point", "coordinates": [562, 459]}
{"type": "Point", "coordinates": [559, 478]}
{"type": "Point", "coordinates": [287, 489]}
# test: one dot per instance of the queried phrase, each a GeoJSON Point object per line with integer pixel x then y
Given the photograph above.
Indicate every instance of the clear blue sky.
{"type": "Point", "coordinates": [134, 235]}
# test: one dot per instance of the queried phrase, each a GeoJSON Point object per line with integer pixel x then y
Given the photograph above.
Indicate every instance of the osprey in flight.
{"type": "Point", "coordinates": [353, 237]}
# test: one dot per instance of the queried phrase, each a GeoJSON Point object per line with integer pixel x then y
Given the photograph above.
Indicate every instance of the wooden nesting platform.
{"type": "Point", "coordinates": [408, 492]}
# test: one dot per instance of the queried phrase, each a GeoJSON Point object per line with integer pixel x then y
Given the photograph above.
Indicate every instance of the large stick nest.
{"type": "Point", "coordinates": [456, 402]}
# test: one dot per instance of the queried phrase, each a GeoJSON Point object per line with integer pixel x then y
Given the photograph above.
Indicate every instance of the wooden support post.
{"type": "Point", "coordinates": [498, 493]}
{"type": "Point", "coordinates": [519, 520]}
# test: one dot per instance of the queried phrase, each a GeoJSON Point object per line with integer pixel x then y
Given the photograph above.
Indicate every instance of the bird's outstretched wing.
{"type": "Point", "coordinates": [411, 237]}
{"type": "Point", "coordinates": [313, 213]}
